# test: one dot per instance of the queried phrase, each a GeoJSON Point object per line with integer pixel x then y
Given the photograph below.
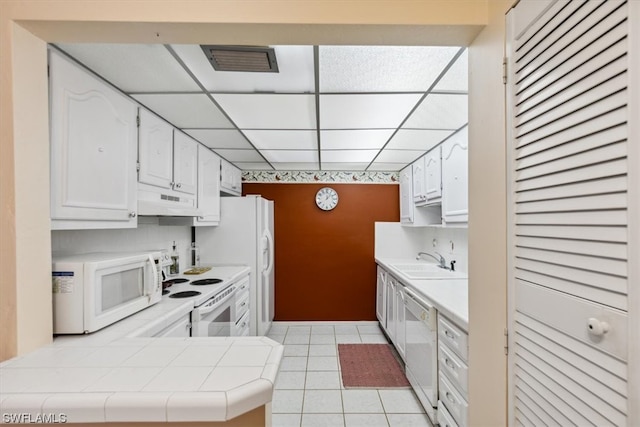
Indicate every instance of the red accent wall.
{"type": "Point", "coordinates": [324, 261]}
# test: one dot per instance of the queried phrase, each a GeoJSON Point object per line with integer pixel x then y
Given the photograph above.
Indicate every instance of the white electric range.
{"type": "Point", "coordinates": [213, 295]}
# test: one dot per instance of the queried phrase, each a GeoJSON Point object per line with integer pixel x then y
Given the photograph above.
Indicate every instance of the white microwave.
{"type": "Point", "coordinates": [94, 290]}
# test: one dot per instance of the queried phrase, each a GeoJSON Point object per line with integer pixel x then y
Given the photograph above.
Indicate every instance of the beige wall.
{"type": "Point", "coordinates": [487, 223]}
{"type": "Point", "coordinates": [24, 246]}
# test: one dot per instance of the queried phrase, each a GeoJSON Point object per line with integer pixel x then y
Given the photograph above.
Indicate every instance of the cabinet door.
{"type": "Point", "coordinates": [401, 333]}
{"type": "Point", "coordinates": [155, 150]}
{"type": "Point", "coordinates": [230, 178]}
{"type": "Point", "coordinates": [455, 166]}
{"type": "Point", "coordinates": [93, 151]}
{"type": "Point", "coordinates": [406, 195]}
{"type": "Point", "coordinates": [381, 297]}
{"type": "Point", "coordinates": [208, 187]}
{"type": "Point", "coordinates": [433, 185]}
{"type": "Point", "coordinates": [419, 182]}
{"type": "Point", "coordinates": [391, 308]}
{"type": "Point", "coordinates": [185, 163]}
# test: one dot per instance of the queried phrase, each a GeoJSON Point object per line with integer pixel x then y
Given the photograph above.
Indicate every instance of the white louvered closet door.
{"type": "Point", "coordinates": [568, 98]}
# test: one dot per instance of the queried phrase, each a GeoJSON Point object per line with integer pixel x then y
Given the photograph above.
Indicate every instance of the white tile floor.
{"type": "Point", "coordinates": [309, 392]}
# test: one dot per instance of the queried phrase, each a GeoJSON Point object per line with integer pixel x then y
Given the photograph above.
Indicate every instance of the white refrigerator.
{"type": "Point", "coordinates": [245, 236]}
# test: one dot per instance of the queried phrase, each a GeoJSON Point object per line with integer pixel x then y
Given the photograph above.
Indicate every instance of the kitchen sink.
{"type": "Point", "coordinates": [425, 270]}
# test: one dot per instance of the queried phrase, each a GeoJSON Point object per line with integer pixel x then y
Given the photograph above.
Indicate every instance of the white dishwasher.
{"type": "Point", "coordinates": [422, 351]}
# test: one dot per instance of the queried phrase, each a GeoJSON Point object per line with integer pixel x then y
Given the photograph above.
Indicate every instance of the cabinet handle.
{"type": "Point", "coordinates": [132, 214]}
{"type": "Point", "coordinates": [172, 184]}
{"type": "Point", "coordinates": [449, 363]}
{"type": "Point", "coordinates": [449, 335]}
{"type": "Point", "coordinates": [451, 398]}
{"type": "Point", "coordinates": [243, 304]}
{"type": "Point", "coordinates": [178, 185]}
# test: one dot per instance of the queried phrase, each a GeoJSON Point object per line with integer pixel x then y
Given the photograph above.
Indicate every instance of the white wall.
{"type": "Point", "coordinates": [148, 235]}
{"type": "Point", "coordinates": [393, 240]}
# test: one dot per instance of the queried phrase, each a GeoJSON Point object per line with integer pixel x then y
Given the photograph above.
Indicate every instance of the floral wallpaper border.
{"type": "Point", "coordinates": [321, 176]}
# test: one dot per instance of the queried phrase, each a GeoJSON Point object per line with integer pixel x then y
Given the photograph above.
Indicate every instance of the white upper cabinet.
{"type": "Point", "coordinates": [155, 150]}
{"type": "Point", "coordinates": [427, 179]}
{"type": "Point", "coordinates": [406, 195]}
{"type": "Point", "coordinates": [168, 159]}
{"type": "Point", "coordinates": [455, 166]}
{"type": "Point", "coordinates": [208, 187]}
{"type": "Point", "coordinates": [230, 179]}
{"type": "Point", "coordinates": [419, 182]}
{"type": "Point", "coordinates": [185, 163]}
{"type": "Point", "coordinates": [93, 151]}
{"type": "Point", "coordinates": [433, 169]}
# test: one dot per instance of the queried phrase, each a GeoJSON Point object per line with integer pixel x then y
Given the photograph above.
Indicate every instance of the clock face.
{"type": "Point", "coordinates": [326, 198]}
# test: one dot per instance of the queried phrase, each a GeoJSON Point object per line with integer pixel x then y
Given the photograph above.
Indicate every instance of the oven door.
{"type": "Point", "coordinates": [422, 351]}
{"type": "Point", "coordinates": [216, 317]}
{"type": "Point", "coordinates": [118, 288]}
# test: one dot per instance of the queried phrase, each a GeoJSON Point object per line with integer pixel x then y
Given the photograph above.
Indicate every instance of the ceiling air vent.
{"type": "Point", "coordinates": [242, 58]}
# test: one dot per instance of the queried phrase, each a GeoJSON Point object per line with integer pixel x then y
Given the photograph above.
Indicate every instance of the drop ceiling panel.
{"type": "Point", "coordinates": [344, 166]}
{"type": "Point", "coordinates": [347, 156]}
{"type": "Point", "coordinates": [354, 139]}
{"type": "Point", "coordinates": [269, 111]}
{"type": "Point", "coordinates": [294, 166]}
{"type": "Point", "coordinates": [295, 65]}
{"type": "Point", "coordinates": [373, 111]}
{"type": "Point", "coordinates": [399, 156]}
{"type": "Point", "coordinates": [249, 166]}
{"type": "Point", "coordinates": [387, 167]}
{"type": "Point", "coordinates": [291, 156]}
{"type": "Point", "coordinates": [134, 67]}
{"type": "Point", "coordinates": [381, 68]}
{"type": "Point", "coordinates": [186, 110]}
{"type": "Point", "coordinates": [457, 77]}
{"type": "Point", "coordinates": [283, 139]}
{"type": "Point", "coordinates": [440, 112]}
{"type": "Point", "coordinates": [240, 155]}
{"type": "Point", "coordinates": [219, 138]}
{"type": "Point", "coordinates": [417, 139]}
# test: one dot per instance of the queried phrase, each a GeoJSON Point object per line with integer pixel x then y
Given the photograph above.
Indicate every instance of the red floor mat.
{"type": "Point", "coordinates": [370, 366]}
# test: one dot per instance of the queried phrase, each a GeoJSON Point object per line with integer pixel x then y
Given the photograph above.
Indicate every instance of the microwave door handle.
{"type": "Point", "coordinates": [151, 287]}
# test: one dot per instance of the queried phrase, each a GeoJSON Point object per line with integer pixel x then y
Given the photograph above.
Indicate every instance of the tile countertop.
{"type": "Point", "coordinates": [449, 296]}
{"type": "Point", "coordinates": [120, 374]}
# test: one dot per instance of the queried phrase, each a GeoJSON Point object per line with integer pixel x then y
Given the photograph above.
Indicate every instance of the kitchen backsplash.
{"type": "Point", "coordinates": [148, 235]}
{"type": "Point", "coordinates": [395, 241]}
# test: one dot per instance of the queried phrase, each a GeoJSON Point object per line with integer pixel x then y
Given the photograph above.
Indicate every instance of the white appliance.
{"type": "Point", "coordinates": [216, 317]}
{"type": "Point", "coordinates": [422, 351]}
{"type": "Point", "coordinates": [245, 236]}
{"type": "Point", "coordinates": [94, 290]}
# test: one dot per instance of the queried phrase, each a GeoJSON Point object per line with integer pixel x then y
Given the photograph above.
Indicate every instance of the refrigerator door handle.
{"type": "Point", "coordinates": [269, 267]}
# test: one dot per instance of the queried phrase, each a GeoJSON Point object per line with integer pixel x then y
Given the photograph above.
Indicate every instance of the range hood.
{"type": "Point", "coordinates": [157, 201]}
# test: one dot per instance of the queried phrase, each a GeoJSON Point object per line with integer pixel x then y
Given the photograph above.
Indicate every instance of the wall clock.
{"type": "Point", "coordinates": [326, 198]}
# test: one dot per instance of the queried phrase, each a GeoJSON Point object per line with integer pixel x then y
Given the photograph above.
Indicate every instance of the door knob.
{"type": "Point", "coordinates": [596, 327]}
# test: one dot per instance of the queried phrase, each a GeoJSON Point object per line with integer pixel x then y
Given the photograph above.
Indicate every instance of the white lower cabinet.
{"type": "Point", "coordinates": [242, 310]}
{"type": "Point", "coordinates": [400, 321]}
{"type": "Point", "coordinates": [381, 297]}
{"type": "Point", "coordinates": [179, 328]}
{"type": "Point", "coordinates": [453, 374]}
{"type": "Point", "coordinates": [444, 417]}
{"type": "Point", "coordinates": [391, 308]}
{"type": "Point", "coordinates": [390, 299]}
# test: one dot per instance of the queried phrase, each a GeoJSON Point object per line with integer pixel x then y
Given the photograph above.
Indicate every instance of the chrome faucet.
{"type": "Point", "coordinates": [442, 263]}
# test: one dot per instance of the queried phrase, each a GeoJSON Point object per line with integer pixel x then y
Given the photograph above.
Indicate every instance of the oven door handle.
{"type": "Point", "coordinates": [206, 309]}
